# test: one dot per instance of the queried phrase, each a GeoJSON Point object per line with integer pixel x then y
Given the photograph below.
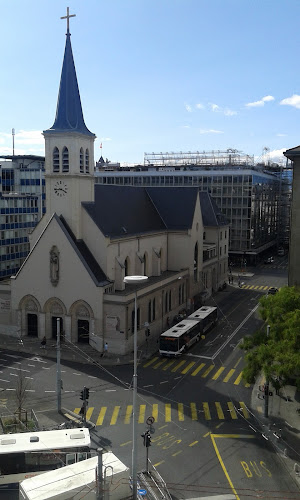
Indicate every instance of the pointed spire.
{"type": "Point", "coordinates": [69, 116]}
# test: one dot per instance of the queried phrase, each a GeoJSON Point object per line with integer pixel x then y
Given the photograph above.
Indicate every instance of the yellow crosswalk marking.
{"type": "Point", "coordinates": [207, 371]}
{"type": "Point", "coordinates": [128, 414]}
{"type": "Point", "coordinates": [244, 409]}
{"type": "Point", "coordinates": [266, 287]}
{"type": "Point", "coordinates": [232, 410]}
{"type": "Point", "coordinates": [256, 287]}
{"type": "Point", "coordinates": [151, 361]}
{"type": "Point", "coordinates": [218, 373]}
{"type": "Point", "coordinates": [206, 411]}
{"type": "Point", "coordinates": [101, 415]}
{"type": "Point", "coordinates": [189, 366]}
{"type": "Point", "coordinates": [178, 366]}
{"type": "Point", "coordinates": [219, 411]}
{"type": "Point", "coordinates": [261, 287]}
{"type": "Point", "coordinates": [246, 384]}
{"type": "Point", "coordinates": [168, 412]}
{"type": "Point", "coordinates": [155, 412]}
{"type": "Point", "coordinates": [115, 415]}
{"type": "Point", "coordinates": [161, 362]}
{"type": "Point", "coordinates": [251, 287]}
{"type": "Point", "coordinates": [180, 412]}
{"type": "Point", "coordinates": [77, 410]}
{"type": "Point", "coordinates": [141, 419]}
{"type": "Point", "coordinates": [169, 364]}
{"type": "Point", "coordinates": [229, 375]}
{"type": "Point", "coordinates": [194, 411]}
{"type": "Point", "coordinates": [89, 413]}
{"type": "Point", "coordinates": [195, 372]}
{"type": "Point", "coordinates": [238, 379]}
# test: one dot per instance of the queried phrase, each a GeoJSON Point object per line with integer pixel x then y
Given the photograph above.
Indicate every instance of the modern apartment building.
{"type": "Point", "coordinates": [22, 203]}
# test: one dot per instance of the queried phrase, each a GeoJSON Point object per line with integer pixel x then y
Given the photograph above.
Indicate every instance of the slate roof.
{"type": "Point", "coordinates": [69, 115]}
{"type": "Point", "coordinates": [126, 210]}
{"type": "Point", "coordinates": [84, 254]}
{"type": "Point", "coordinates": [211, 214]}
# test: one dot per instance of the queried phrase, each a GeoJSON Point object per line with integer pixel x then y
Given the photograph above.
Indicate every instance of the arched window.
{"type": "Point", "coordinates": [196, 263]}
{"type": "Point", "coordinates": [55, 160]}
{"type": "Point", "coordinates": [87, 160]}
{"type": "Point", "coordinates": [166, 302]}
{"type": "Point", "coordinates": [170, 300]}
{"type": "Point", "coordinates": [81, 160]}
{"type": "Point", "coordinates": [153, 310]}
{"type": "Point", "coordinates": [65, 160]}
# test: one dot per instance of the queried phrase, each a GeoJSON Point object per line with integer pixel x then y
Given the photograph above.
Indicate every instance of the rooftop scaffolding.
{"type": "Point", "coordinates": [198, 158]}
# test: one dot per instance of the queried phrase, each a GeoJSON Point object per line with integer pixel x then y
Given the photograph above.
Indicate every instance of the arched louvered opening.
{"type": "Point", "coordinates": [65, 160]}
{"type": "Point", "coordinates": [81, 161]}
{"type": "Point", "coordinates": [55, 160]}
{"type": "Point", "coordinates": [87, 161]}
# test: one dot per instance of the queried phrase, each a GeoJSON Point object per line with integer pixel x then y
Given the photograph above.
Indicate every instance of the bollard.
{"type": "Point", "coordinates": [297, 469]}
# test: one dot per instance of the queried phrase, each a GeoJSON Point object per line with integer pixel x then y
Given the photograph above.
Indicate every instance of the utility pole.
{"type": "Point", "coordinates": [99, 475]}
{"type": "Point", "coordinates": [266, 412]}
{"type": "Point", "coordinates": [58, 372]}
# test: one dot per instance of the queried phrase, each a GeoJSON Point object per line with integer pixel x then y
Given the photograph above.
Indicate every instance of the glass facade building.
{"type": "Point", "coordinates": [22, 204]}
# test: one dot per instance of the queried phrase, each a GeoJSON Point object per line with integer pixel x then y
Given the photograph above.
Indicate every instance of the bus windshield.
{"type": "Point", "coordinates": [168, 344]}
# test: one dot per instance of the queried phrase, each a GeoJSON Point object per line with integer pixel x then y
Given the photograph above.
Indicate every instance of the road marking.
{"type": "Point", "coordinates": [101, 416]}
{"type": "Point", "coordinates": [180, 412]}
{"type": "Point", "coordinates": [164, 382]}
{"type": "Point", "coordinates": [115, 415]}
{"type": "Point", "coordinates": [193, 443]}
{"type": "Point", "coordinates": [141, 419]}
{"type": "Point", "coordinates": [229, 375]}
{"type": "Point", "coordinates": [128, 414]}
{"type": "Point", "coordinates": [238, 379]}
{"type": "Point", "coordinates": [244, 409]}
{"type": "Point", "coordinates": [110, 390]}
{"type": "Point", "coordinates": [125, 444]}
{"type": "Point", "coordinates": [31, 365]}
{"type": "Point", "coordinates": [178, 366]}
{"type": "Point", "coordinates": [232, 410]}
{"type": "Point", "coordinates": [177, 453]}
{"type": "Point", "coordinates": [151, 361]}
{"type": "Point", "coordinates": [170, 363]}
{"type": "Point", "coordinates": [238, 362]}
{"type": "Point", "coordinates": [3, 380]}
{"type": "Point", "coordinates": [207, 371]}
{"type": "Point", "coordinates": [30, 390]}
{"type": "Point", "coordinates": [89, 413]}
{"type": "Point", "coordinates": [219, 411]}
{"type": "Point", "coordinates": [207, 434]}
{"type": "Point", "coordinates": [14, 374]}
{"type": "Point", "coordinates": [195, 372]}
{"type": "Point", "coordinates": [159, 463]}
{"type": "Point", "coordinates": [189, 366]}
{"type": "Point", "coordinates": [168, 412]}
{"type": "Point", "coordinates": [161, 362]}
{"type": "Point", "coordinates": [72, 373]}
{"type": "Point", "coordinates": [155, 412]}
{"type": "Point", "coordinates": [149, 385]}
{"type": "Point", "coordinates": [50, 391]}
{"type": "Point", "coordinates": [206, 411]}
{"type": "Point", "coordinates": [218, 373]}
{"type": "Point", "coordinates": [10, 389]}
{"type": "Point", "coordinates": [194, 411]}
{"type": "Point", "coordinates": [45, 368]}
{"type": "Point", "coordinates": [30, 378]}
{"type": "Point", "coordinates": [91, 376]}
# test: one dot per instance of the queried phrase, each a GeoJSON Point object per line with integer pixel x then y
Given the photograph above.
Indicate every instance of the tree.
{"type": "Point", "coordinates": [21, 394]}
{"type": "Point", "coordinates": [277, 355]}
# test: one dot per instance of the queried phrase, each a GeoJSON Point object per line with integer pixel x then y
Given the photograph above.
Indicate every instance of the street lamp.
{"type": "Point", "coordinates": [134, 280]}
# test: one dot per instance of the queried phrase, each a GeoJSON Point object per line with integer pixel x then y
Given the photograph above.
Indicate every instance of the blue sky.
{"type": "Point", "coordinates": [155, 75]}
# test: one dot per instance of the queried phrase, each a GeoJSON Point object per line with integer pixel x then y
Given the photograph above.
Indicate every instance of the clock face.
{"type": "Point", "coordinates": [60, 188]}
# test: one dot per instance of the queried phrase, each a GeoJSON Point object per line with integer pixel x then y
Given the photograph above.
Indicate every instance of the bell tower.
{"type": "Point", "coordinates": [69, 149]}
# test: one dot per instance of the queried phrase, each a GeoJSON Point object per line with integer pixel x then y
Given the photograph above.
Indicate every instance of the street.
{"type": "Point", "coordinates": [206, 439]}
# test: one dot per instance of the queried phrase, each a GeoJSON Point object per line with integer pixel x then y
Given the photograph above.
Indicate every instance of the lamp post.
{"type": "Point", "coordinates": [58, 370]}
{"type": "Point", "coordinates": [134, 280]}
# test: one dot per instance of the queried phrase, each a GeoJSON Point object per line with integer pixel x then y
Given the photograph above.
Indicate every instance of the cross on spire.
{"type": "Point", "coordinates": [67, 17]}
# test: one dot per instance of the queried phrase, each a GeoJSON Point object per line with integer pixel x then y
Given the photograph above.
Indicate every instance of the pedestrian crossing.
{"type": "Point", "coordinates": [192, 368]}
{"type": "Point", "coordinates": [164, 413]}
{"type": "Point", "coordinates": [261, 288]}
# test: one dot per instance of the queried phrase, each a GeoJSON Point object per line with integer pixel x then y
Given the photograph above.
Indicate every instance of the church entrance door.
{"type": "Point", "coordinates": [32, 325]}
{"type": "Point", "coordinates": [54, 327]}
{"type": "Point", "coordinates": [83, 328]}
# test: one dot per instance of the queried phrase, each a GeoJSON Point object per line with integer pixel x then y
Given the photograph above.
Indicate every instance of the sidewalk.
{"type": "Point", "coordinates": [282, 427]}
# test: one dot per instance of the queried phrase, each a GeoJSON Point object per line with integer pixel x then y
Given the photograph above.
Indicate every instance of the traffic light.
{"type": "Point", "coordinates": [87, 393]}
{"type": "Point", "coordinates": [147, 439]}
{"type": "Point", "coordinates": [82, 395]}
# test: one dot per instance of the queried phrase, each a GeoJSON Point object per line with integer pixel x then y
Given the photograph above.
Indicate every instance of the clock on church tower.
{"type": "Point", "coordinates": [60, 188]}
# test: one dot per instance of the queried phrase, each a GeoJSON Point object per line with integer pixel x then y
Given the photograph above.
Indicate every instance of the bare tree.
{"type": "Point", "coordinates": [21, 394]}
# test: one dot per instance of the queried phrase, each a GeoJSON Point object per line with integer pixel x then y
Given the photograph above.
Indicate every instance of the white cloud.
{"type": "Point", "coordinates": [217, 109]}
{"type": "Point", "coordinates": [260, 103]}
{"type": "Point", "coordinates": [229, 112]}
{"type": "Point", "coordinates": [214, 107]}
{"type": "Point", "coordinates": [188, 108]}
{"type": "Point", "coordinates": [210, 131]}
{"type": "Point", "coordinates": [105, 139]}
{"type": "Point", "coordinates": [294, 101]}
{"type": "Point", "coordinates": [281, 135]}
{"type": "Point", "coordinates": [277, 154]}
{"type": "Point", "coordinates": [29, 137]}
{"type": "Point", "coordinates": [186, 126]}
{"type": "Point", "coordinates": [200, 106]}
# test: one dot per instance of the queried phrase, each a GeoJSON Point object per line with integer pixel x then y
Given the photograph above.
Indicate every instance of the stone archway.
{"type": "Point", "coordinates": [55, 317]}
{"type": "Point", "coordinates": [82, 320]}
{"type": "Point", "coordinates": [30, 315]}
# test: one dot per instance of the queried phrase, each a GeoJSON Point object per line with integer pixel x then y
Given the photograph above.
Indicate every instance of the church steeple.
{"type": "Point", "coordinates": [69, 115]}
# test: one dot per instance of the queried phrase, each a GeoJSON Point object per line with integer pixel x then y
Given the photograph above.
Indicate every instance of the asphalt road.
{"type": "Point", "coordinates": [203, 439]}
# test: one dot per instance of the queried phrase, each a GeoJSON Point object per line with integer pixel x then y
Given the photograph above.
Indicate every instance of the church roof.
{"type": "Point", "coordinates": [211, 214]}
{"type": "Point", "coordinates": [125, 210]}
{"type": "Point", "coordinates": [69, 115]}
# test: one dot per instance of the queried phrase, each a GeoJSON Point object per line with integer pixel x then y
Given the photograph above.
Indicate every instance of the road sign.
{"type": "Point", "coordinates": [150, 420]}
{"type": "Point", "coordinates": [142, 492]}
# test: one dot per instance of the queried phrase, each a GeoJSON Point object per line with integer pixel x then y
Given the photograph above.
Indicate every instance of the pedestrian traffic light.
{"type": "Point", "coordinates": [146, 438]}
{"type": "Point", "coordinates": [87, 393]}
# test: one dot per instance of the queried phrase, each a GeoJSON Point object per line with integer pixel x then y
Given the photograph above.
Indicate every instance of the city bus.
{"type": "Point", "coordinates": [27, 454]}
{"type": "Point", "coordinates": [181, 336]}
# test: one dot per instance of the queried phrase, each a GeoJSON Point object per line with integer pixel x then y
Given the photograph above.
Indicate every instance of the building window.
{"type": "Point", "coordinates": [65, 160]}
{"type": "Point", "coordinates": [55, 160]}
{"type": "Point", "coordinates": [153, 310]}
{"type": "Point", "coordinates": [221, 235]}
{"type": "Point", "coordinates": [204, 235]}
{"type": "Point", "coordinates": [87, 161]}
{"type": "Point", "coordinates": [81, 161]}
{"type": "Point", "coordinates": [170, 300]}
{"type": "Point", "coordinates": [149, 311]}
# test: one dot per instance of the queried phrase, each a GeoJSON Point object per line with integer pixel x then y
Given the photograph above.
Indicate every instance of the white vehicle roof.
{"type": "Point", "coordinates": [44, 440]}
{"type": "Point", "coordinates": [202, 312]}
{"type": "Point", "coordinates": [180, 328]}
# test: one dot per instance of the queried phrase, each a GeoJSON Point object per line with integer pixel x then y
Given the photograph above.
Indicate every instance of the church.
{"type": "Point", "coordinates": [92, 236]}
